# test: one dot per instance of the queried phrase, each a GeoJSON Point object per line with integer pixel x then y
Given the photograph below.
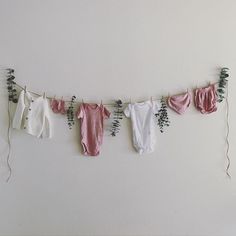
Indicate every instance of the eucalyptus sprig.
{"type": "Point", "coordinates": [70, 113]}
{"type": "Point", "coordinates": [222, 84]}
{"type": "Point", "coordinates": [162, 116]}
{"type": "Point", "coordinates": [11, 86]}
{"type": "Point", "coordinates": [117, 117]}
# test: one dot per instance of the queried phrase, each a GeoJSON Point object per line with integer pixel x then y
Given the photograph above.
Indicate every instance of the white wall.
{"type": "Point", "coordinates": [108, 49]}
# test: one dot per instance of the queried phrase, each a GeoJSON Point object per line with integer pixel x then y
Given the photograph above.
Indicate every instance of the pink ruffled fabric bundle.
{"type": "Point", "coordinates": [179, 103]}
{"type": "Point", "coordinates": [205, 99]}
{"type": "Point", "coordinates": [58, 106]}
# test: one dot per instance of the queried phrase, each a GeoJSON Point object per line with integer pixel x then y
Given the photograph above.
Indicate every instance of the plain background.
{"type": "Point", "coordinates": [109, 49]}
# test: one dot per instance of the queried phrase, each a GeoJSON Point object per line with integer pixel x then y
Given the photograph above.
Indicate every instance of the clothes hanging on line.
{"type": "Point", "coordinates": [205, 99]}
{"type": "Point", "coordinates": [143, 125]}
{"type": "Point", "coordinates": [32, 115]}
{"type": "Point", "coordinates": [92, 118]}
{"type": "Point", "coordinates": [58, 106]}
{"type": "Point", "coordinates": [179, 103]}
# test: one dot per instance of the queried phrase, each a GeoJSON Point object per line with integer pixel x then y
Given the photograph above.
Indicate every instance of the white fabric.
{"type": "Point", "coordinates": [143, 125]}
{"type": "Point", "coordinates": [32, 115]}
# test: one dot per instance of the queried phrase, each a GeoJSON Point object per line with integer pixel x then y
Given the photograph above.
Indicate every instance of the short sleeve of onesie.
{"type": "Point", "coordinates": [80, 112]}
{"type": "Point", "coordinates": [156, 107]}
{"type": "Point", "coordinates": [127, 111]}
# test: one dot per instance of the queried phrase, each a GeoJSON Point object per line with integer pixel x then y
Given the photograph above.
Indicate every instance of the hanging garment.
{"type": "Point", "coordinates": [91, 120]}
{"type": "Point", "coordinates": [143, 125]}
{"type": "Point", "coordinates": [58, 106]}
{"type": "Point", "coordinates": [179, 103]}
{"type": "Point", "coordinates": [32, 115]}
{"type": "Point", "coordinates": [61, 107]}
{"type": "Point", "coordinates": [54, 105]}
{"type": "Point", "coordinates": [205, 99]}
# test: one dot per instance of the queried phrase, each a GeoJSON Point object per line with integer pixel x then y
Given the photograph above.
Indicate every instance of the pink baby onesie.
{"type": "Point", "coordinates": [91, 120]}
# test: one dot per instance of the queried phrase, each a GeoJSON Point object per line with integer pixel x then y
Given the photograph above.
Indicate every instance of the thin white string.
{"type": "Point", "coordinates": [9, 142]}
{"type": "Point", "coordinates": [227, 134]}
{"type": "Point", "coordinates": [48, 97]}
{"type": "Point", "coordinates": [106, 104]}
{"type": "Point", "coordinates": [8, 133]}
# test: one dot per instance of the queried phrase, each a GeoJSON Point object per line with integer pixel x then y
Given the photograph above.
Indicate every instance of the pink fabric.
{"type": "Point", "coordinates": [179, 103]}
{"type": "Point", "coordinates": [58, 106]}
{"type": "Point", "coordinates": [91, 120]}
{"type": "Point", "coordinates": [205, 99]}
{"type": "Point", "coordinates": [61, 107]}
{"type": "Point", "coordinates": [54, 105]}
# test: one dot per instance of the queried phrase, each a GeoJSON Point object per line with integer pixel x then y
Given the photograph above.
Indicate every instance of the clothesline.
{"type": "Point", "coordinates": [106, 104]}
{"type": "Point", "coordinates": [13, 97]}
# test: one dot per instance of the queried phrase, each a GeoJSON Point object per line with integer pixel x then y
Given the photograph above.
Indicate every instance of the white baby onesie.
{"type": "Point", "coordinates": [143, 125]}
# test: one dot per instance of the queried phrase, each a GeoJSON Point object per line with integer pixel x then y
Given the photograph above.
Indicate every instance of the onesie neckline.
{"type": "Point", "coordinates": [92, 106]}
{"type": "Point", "coordinates": [143, 103]}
